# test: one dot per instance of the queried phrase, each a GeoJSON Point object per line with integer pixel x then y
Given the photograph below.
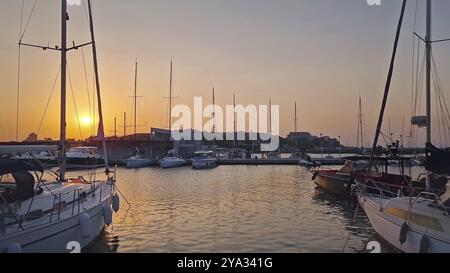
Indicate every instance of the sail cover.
{"type": "Point", "coordinates": [438, 161]}
{"type": "Point", "coordinates": [13, 166]}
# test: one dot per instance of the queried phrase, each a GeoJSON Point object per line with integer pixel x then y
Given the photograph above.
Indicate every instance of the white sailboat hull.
{"type": "Point", "coordinates": [57, 236]}
{"type": "Point", "coordinates": [167, 164]}
{"type": "Point", "coordinates": [389, 228]}
{"type": "Point", "coordinates": [138, 163]}
{"type": "Point", "coordinates": [54, 233]}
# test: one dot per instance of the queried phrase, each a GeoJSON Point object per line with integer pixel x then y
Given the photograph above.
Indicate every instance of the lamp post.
{"type": "Point", "coordinates": [340, 148]}
{"type": "Point", "coordinates": [321, 146]}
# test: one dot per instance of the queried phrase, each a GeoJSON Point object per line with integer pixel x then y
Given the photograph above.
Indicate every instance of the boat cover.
{"type": "Point", "coordinates": [8, 166]}
{"type": "Point", "coordinates": [438, 161]}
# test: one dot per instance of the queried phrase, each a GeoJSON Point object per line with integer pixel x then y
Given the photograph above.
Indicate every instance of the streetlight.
{"type": "Point", "coordinates": [321, 146]}
{"type": "Point", "coordinates": [340, 148]}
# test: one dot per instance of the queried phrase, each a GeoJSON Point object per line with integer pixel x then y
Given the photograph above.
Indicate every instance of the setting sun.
{"type": "Point", "coordinates": [86, 121]}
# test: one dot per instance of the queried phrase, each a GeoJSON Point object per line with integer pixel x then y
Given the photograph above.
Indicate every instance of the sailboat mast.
{"type": "Point", "coordinates": [64, 17]}
{"type": "Point", "coordinates": [360, 139]}
{"type": "Point", "coordinates": [214, 110]}
{"type": "Point", "coordinates": [428, 84]}
{"type": "Point", "coordinates": [170, 97]}
{"type": "Point", "coordinates": [295, 119]}
{"type": "Point", "coordinates": [135, 99]}
{"type": "Point", "coordinates": [124, 124]}
{"type": "Point", "coordinates": [234, 119]}
{"type": "Point", "coordinates": [428, 71]}
{"type": "Point", "coordinates": [101, 128]}
{"type": "Point", "coordinates": [295, 130]}
{"type": "Point", "coordinates": [270, 115]}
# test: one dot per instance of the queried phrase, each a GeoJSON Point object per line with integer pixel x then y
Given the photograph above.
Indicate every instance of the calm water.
{"type": "Point", "coordinates": [230, 209]}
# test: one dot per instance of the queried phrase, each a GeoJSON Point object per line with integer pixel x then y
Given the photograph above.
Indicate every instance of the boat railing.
{"type": "Point", "coordinates": [60, 205]}
{"type": "Point", "coordinates": [427, 196]}
{"type": "Point", "coordinates": [385, 190]}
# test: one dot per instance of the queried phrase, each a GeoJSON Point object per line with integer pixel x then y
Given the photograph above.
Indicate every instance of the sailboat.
{"type": "Point", "coordinates": [171, 160]}
{"type": "Point", "coordinates": [138, 160]}
{"type": "Point", "coordinates": [60, 216]}
{"type": "Point", "coordinates": [419, 221]}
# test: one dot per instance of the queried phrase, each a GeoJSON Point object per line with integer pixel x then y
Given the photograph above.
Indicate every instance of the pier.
{"type": "Point", "coordinates": [255, 162]}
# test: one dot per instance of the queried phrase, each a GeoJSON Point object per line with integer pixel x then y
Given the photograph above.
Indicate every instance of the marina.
{"type": "Point", "coordinates": [250, 209]}
{"type": "Point", "coordinates": [224, 178]}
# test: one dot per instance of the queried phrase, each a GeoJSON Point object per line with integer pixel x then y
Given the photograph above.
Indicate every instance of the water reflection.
{"type": "Point", "coordinates": [231, 209]}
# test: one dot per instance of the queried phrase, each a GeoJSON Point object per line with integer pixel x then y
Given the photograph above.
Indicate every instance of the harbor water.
{"type": "Point", "coordinates": [231, 209]}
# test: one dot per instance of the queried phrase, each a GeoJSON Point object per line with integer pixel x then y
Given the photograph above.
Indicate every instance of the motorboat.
{"type": "Point", "coordinates": [84, 156]}
{"type": "Point", "coordinates": [340, 181]}
{"type": "Point", "coordinates": [44, 157]}
{"type": "Point", "coordinates": [305, 160]}
{"type": "Point", "coordinates": [204, 160]}
{"type": "Point", "coordinates": [306, 163]}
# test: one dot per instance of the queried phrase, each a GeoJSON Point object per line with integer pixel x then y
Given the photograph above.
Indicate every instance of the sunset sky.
{"type": "Point", "coordinates": [323, 54]}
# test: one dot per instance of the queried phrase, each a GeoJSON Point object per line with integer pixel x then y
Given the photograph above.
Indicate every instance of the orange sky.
{"type": "Point", "coordinates": [322, 54]}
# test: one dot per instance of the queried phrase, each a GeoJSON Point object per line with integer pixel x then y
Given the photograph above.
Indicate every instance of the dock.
{"type": "Point", "coordinates": [280, 161]}
{"type": "Point", "coordinates": [255, 162]}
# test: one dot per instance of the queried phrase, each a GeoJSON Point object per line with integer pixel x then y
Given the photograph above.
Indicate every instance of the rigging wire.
{"type": "Point", "coordinates": [74, 102]}
{"type": "Point", "coordinates": [442, 102]}
{"type": "Point", "coordinates": [87, 82]}
{"type": "Point", "coordinates": [22, 31]}
{"type": "Point", "coordinates": [19, 57]}
{"type": "Point", "coordinates": [19, 53]}
{"type": "Point", "coordinates": [414, 57]}
{"type": "Point", "coordinates": [48, 101]}
{"type": "Point", "coordinates": [411, 130]}
{"type": "Point", "coordinates": [22, 34]}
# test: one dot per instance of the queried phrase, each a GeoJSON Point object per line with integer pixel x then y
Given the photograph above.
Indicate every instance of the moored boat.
{"type": "Point", "coordinates": [340, 181]}
{"type": "Point", "coordinates": [62, 214]}
{"type": "Point", "coordinates": [411, 219]}
{"type": "Point", "coordinates": [38, 216]}
{"type": "Point", "coordinates": [204, 160]}
{"type": "Point", "coordinates": [84, 156]}
{"type": "Point", "coordinates": [172, 162]}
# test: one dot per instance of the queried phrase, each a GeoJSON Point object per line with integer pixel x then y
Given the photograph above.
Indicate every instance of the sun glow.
{"type": "Point", "coordinates": [86, 121]}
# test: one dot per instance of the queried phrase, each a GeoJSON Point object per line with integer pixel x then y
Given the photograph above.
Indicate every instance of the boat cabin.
{"type": "Point", "coordinates": [203, 154]}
